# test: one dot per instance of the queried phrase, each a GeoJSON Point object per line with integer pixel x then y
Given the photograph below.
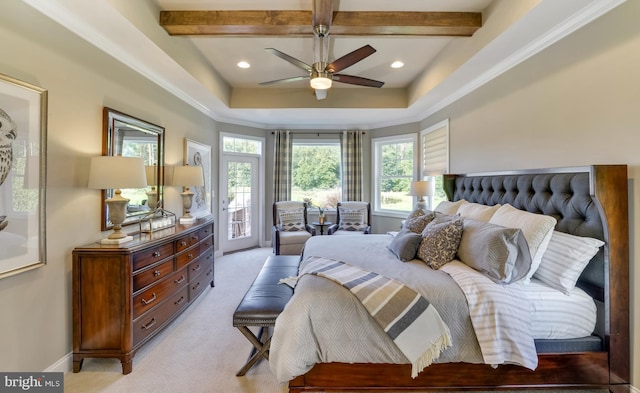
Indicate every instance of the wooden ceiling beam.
{"type": "Point", "coordinates": [370, 23]}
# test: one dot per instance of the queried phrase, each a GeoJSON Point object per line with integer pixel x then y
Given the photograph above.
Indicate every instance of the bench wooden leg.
{"type": "Point", "coordinates": [260, 349]}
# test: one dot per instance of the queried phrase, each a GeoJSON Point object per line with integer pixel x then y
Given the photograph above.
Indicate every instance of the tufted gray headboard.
{"type": "Point", "coordinates": [565, 194]}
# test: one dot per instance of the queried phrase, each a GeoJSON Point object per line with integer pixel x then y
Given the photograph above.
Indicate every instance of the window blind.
{"type": "Point", "coordinates": [435, 150]}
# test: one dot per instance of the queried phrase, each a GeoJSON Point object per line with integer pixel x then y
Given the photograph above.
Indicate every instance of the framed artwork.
{"type": "Point", "coordinates": [198, 154]}
{"type": "Point", "coordinates": [23, 136]}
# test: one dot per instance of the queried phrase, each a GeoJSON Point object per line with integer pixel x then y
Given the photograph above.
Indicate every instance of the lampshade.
{"type": "Point", "coordinates": [421, 188]}
{"type": "Point", "coordinates": [151, 172]}
{"type": "Point", "coordinates": [188, 176]}
{"type": "Point", "coordinates": [116, 172]}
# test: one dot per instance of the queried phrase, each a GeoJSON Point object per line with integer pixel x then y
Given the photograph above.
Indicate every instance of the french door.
{"type": "Point", "coordinates": [239, 202]}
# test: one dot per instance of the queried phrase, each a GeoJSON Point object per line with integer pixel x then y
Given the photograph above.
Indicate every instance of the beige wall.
{"type": "Point", "coordinates": [574, 104]}
{"type": "Point", "coordinates": [35, 307]}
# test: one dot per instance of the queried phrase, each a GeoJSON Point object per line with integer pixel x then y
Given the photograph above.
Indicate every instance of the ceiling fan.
{"type": "Point", "coordinates": [321, 74]}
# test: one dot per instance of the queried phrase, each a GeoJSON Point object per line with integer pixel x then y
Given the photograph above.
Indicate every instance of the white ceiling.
{"type": "Point", "coordinates": [202, 71]}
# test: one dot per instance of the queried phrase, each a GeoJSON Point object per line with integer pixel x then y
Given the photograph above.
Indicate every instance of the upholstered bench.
{"type": "Point", "coordinates": [262, 304]}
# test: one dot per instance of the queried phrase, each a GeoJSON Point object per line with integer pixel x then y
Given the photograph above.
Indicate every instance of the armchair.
{"type": "Point", "coordinates": [352, 218]}
{"type": "Point", "coordinates": [290, 227]}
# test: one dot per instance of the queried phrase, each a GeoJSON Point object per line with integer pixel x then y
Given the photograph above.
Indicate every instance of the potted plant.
{"type": "Point", "coordinates": [320, 215]}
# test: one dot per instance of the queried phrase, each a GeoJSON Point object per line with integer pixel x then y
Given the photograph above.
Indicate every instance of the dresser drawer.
{"type": "Point", "coordinates": [206, 232]}
{"type": "Point", "coordinates": [153, 274]}
{"type": "Point", "coordinates": [200, 282]}
{"type": "Point", "coordinates": [205, 243]}
{"type": "Point", "coordinates": [187, 241]}
{"type": "Point", "coordinates": [187, 256]}
{"type": "Point", "coordinates": [156, 318]}
{"type": "Point", "coordinates": [152, 255]}
{"type": "Point", "coordinates": [158, 292]}
{"type": "Point", "coordinates": [206, 255]}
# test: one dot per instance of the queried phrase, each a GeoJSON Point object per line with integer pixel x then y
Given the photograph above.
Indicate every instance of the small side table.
{"type": "Point", "coordinates": [324, 224]}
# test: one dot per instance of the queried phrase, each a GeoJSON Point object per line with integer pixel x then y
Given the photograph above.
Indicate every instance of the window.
{"type": "Point", "coordinates": [435, 157]}
{"type": "Point", "coordinates": [316, 173]}
{"type": "Point", "coordinates": [394, 166]}
{"type": "Point", "coordinates": [241, 145]}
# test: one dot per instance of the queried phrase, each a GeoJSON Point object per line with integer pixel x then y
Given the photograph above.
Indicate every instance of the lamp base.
{"type": "Point", "coordinates": [116, 241]}
{"type": "Point", "coordinates": [187, 220]}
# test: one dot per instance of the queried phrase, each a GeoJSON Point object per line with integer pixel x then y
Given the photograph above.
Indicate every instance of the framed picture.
{"type": "Point", "coordinates": [198, 154]}
{"type": "Point", "coordinates": [23, 136]}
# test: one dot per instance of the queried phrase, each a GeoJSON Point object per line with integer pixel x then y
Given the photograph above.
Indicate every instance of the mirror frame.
{"type": "Point", "coordinates": [110, 119]}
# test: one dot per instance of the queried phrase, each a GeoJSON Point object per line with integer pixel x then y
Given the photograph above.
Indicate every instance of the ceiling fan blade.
{"type": "Point", "coordinates": [350, 59]}
{"type": "Point", "coordinates": [321, 94]}
{"type": "Point", "coordinates": [357, 80]}
{"type": "Point", "coordinates": [322, 14]}
{"type": "Point", "coordinates": [292, 79]}
{"type": "Point", "coordinates": [292, 60]}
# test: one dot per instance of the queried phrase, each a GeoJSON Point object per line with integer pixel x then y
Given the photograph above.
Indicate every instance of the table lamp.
{"type": "Point", "coordinates": [116, 172]}
{"type": "Point", "coordinates": [421, 188]}
{"type": "Point", "coordinates": [187, 176]}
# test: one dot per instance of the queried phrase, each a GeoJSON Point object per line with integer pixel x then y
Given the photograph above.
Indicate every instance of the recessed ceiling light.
{"type": "Point", "coordinates": [397, 64]}
{"type": "Point", "coordinates": [244, 64]}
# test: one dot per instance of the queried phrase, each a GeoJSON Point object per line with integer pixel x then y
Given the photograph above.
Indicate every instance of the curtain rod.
{"type": "Point", "coordinates": [319, 133]}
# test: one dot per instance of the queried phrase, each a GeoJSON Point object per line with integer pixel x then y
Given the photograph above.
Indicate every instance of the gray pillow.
{"type": "Point", "coordinates": [500, 253]}
{"type": "Point", "coordinates": [417, 224]}
{"type": "Point", "coordinates": [405, 244]}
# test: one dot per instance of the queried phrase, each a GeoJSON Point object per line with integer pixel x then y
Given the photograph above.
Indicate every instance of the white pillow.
{"type": "Point", "coordinates": [477, 211]}
{"type": "Point", "coordinates": [565, 259]}
{"type": "Point", "coordinates": [450, 208]}
{"type": "Point", "coordinates": [537, 229]}
{"type": "Point", "coordinates": [351, 220]}
{"type": "Point", "coordinates": [292, 220]}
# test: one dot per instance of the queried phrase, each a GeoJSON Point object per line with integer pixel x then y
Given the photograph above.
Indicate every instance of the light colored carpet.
{"type": "Point", "coordinates": [200, 352]}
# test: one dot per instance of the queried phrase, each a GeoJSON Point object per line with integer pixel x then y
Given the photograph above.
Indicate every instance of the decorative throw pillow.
{"type": "Point", "coordinates": [292, 220]}
{"type": "Point", "coordinates": [477, 211]}
{"type": "Point", "coordinates": [417, 224]}
{"type": "Point", "coordinates": [565, 259]}
{"type": "Point", "coordinates": [537, 229]}
{"type": "Point", "coordinates": [440, 242]}
{"type": "Point", "coordinates": [351, 220]}
{"type": "Point", "coordinates": [405, 244]}
{"type": "Point", "coordinates": [450, 208]}
{"type": "Point", "coordinates": [500, 253]}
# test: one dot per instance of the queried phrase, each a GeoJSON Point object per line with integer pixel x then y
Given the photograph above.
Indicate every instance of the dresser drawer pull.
{"type": "Point", "coordinates": [196, 268]}
{"type": "Point", "coordinates": [190, 256]}
{"type": "Point", "coordinates": [180, 280]}
{"type": "Point", "coordinates": [194, 237]}
{"type": "Point", "coordinates": [209, 272]}
{"type": "Point", "coordinates": [156, 254]}
{"type": "Point", "coordinates": [153, 299]}
{"type": "Point", "coordinates": [209, 256]}
{"type": "Point", "coordinates": [177, 302]}
{"type": "Point", "coordinates": [147, 326]}
{"type": "Point", "coordinates": [156, 273]}
{"type": "Point", "coordinates": [206, 231]}
{"type": "Point", "coordinates": [183, 243]}
{"type": "Point", "coordinates": [196, 286]}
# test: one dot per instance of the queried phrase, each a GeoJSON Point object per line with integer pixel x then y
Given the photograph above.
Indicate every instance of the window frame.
{"type": "Point", "coordinates": [376, 162]}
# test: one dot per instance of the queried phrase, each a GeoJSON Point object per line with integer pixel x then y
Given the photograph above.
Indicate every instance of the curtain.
{"type": "Point", "coordinates": [282, 166]}
{"type": "Point", "coordinates": [351, 148]}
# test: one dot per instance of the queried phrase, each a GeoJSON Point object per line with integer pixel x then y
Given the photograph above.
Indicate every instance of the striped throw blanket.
{"type": "Point", "coordinates": [410, 320]}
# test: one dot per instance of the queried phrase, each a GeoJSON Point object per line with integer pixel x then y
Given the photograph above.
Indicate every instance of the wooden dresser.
{"type": "Point", "coordinates": [123, 296]}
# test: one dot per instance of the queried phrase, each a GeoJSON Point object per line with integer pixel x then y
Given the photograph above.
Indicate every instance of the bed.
{"type": "Point", "coordinates": [587, 201]}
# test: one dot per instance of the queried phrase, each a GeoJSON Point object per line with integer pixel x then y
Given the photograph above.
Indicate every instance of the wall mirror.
{"type": "Point", "coordinates": [132, 137]}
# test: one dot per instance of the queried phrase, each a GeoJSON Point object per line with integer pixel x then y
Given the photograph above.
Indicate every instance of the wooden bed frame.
{"type": "Point", "coordinates": [608, 368]}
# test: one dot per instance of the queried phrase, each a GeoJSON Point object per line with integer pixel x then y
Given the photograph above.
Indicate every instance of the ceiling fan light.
{"type": "Point", "coordinates": [321, 83]}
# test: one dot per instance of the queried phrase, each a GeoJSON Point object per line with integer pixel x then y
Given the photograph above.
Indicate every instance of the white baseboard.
{"type": "Point", "coordinates": [635, 389]}
{"type": "Point", "coordinates": [63, 365]}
